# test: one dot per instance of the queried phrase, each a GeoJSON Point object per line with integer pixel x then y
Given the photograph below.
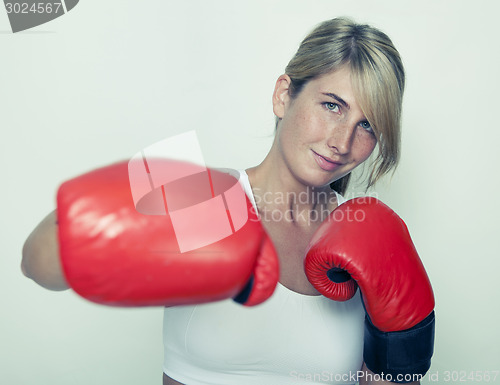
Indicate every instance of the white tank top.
{"type": "Point", "coordinates": [289, 339]}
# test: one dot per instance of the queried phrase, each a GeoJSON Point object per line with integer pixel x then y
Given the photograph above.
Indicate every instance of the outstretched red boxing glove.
{"type": "Point", "coordinates": [371, 245]}
{"type": "Point", "coordinates": [162, 232]}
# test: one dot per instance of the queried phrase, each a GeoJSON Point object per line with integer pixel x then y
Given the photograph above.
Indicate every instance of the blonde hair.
{"type": "Point", "coordinates": [378, 81]}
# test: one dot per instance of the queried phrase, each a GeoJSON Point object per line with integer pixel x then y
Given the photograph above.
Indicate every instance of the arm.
{"type": "Point", "coordinates": [41, 255]}
{"type": "Point", "coordinates": [370, 378]}
{"type": "Point", "coordinates": [119, 243]}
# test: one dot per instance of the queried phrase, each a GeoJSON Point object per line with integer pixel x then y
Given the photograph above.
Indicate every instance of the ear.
{"type": "Point", "coordinates": [280, 95]}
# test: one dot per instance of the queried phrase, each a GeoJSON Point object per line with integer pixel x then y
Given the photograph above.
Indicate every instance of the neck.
{"type": "Point", "coordinates": [280, 196]}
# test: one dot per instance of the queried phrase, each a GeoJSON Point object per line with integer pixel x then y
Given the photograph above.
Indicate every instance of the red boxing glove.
{"type": "Point", "coordinates": [193, 239]}
{"type": "Point", "coordinates": [370, 243]}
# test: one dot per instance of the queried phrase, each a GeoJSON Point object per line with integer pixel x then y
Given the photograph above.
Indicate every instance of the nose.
{"type": "Point", "coordinates": [340, 138]}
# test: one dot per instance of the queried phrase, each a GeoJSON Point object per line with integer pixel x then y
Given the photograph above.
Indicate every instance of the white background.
{"type": "Point", "coordinates": [112, 77]}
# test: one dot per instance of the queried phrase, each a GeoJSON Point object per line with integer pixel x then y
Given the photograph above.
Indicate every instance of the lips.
{"type": "Point", "coordinates": [326, 163]}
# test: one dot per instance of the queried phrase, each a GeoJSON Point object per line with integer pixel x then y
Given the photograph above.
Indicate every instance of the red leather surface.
{"type": "Point", "coordinates": [370, 241]}
{"type": "Point", "coordinates": [114, 255]}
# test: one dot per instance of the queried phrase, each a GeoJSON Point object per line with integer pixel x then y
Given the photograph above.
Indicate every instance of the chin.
{"type": "Point", "coordinates": [317, 182]}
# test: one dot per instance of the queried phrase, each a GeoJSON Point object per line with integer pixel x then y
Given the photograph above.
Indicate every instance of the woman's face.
{"type": "Point", "coordinates": [323, 134]}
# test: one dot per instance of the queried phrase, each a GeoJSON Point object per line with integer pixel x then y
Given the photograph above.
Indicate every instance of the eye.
{"type": "Point", "coordinates": [366, 126]}
{"type": "Point", "coordinates": [334, 107]}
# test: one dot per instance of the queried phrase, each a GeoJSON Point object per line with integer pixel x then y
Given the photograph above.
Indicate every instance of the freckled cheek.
{"type": "Point", "coordinates": [304, 116]}
{"type": "Point", "coordinates": [364, 147]}
{"type": "Point", "coordinates": [290, 141]}
{"type": "Point", "coordinates": [303, 127]}
{"type": "Point", "coordinates": [313, 129]}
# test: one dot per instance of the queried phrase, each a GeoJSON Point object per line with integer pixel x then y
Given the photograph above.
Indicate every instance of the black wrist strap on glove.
{"type": "Point", "coordinates": [400, 356]}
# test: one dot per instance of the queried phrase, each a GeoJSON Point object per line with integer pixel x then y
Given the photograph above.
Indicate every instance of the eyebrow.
{"type": "Point", "coordinates": [337, 98]}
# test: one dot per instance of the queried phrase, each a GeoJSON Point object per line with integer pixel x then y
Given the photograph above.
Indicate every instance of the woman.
{"type": "Point", "coordinates": [339, 98]}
